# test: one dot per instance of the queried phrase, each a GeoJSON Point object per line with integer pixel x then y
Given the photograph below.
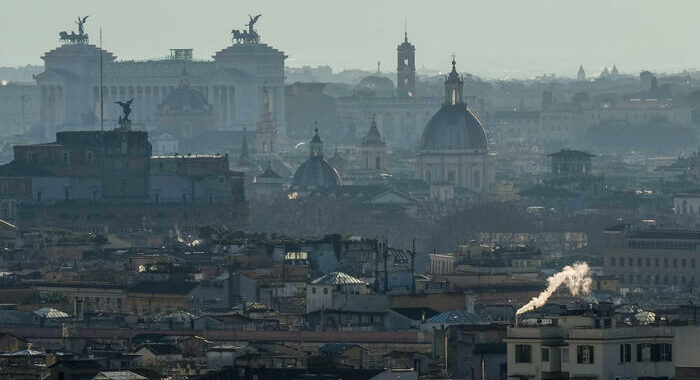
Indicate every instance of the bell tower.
{"type": "Point", "coordinates": [406, 68]}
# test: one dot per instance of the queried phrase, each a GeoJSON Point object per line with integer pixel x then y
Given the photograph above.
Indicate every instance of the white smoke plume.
{"type": "Point", "coordinates": [576, 277]}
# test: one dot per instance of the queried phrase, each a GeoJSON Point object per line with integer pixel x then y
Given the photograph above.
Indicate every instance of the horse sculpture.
{"type": "Point", "coordinates": [73, 38]}
{"type": "Point", "coordinates": [249, 36]}
{"type": "Point", "coordinates": [80, 38]}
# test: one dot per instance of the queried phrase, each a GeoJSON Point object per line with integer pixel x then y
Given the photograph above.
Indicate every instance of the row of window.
{"type": "Point", "coordinates": [670, 245]}
{"type": "Point", "coordinates": [65, 157]}
{"type": "Point", "coordinates": [656, 279]}
{"type": "Point", "coordinates": [585, 354]}
{"type": "Point", "coordinates": [667, 262]}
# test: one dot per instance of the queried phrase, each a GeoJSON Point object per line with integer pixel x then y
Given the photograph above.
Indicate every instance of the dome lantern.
{"type": "Point", "coordinates": [316, 145]}
{"type": "Point", "coordinates": [454, 85]}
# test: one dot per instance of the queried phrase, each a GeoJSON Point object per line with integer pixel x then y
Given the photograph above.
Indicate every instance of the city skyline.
{"type": "Point", "coordinates": [632, 35]}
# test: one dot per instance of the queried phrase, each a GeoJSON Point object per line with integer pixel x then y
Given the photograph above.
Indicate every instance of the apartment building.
{"type": "Point", "coordinates": [589, 347]}
{"type": "Point", "coordinates": [649, 257]}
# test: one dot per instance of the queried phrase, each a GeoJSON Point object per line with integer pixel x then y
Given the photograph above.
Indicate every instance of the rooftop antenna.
{"type": "Point", "coordinates": [378, 64]}
{"type": "Point", "coordinates": [405, 29]}
{"type": "Point", "coordinates": [102, 118]}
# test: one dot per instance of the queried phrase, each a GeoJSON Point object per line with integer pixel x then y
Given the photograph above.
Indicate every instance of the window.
{"type": "Point", "coordinates": [523, 353]}
{"type": "Point", "coordinates": [65, 157]}
{"type": "Point", "coordinates": [654, 352]}
{"type": "Point", "coordinates": [625, 353]}
{"type": "Point", "coordinates": [629, 262]}
{"type": "Point", "coordinates": [648, 262]}
{"type": "Point", "coordinates": [675, 263]}
{"type": "Point", "coordinates": [584, 354]}
{"type": "Point", "coordinates": [545, 354]}
{"type": "Point", "coordinates": [89, 156]}
{"type": "Point", "coordinates": [683, 262]}
{"type": "Point", "coordinates": [565, 355]}
{"type": "Point", "coordinates": [612, 261]}
{"type": "Point", "coordinates": [313, 290]}
{"type": "Point", "coordinates": [622, 261]}
{"type": "Point", "coordinates": [665, 262]}
{"type": "Point", "coordinates": [656, 262]}
{"type": "Point", "coordinates": [325, 290]}
{"type": "Point", "coordinates": [377, 163]}
{"type": "Point", "coordinates": [665, 352]}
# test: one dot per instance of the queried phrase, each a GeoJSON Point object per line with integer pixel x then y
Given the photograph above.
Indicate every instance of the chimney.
{"type": "Point", "coordinates": [386, 270]}
{"type": "Point", "coordinates": [230, 284]}
{"type": "Point", "coordinates": [413, 267]}
{"type": "Point", "coordinates": [78, 309]}
{"type": "Point", "coordinates": [470, 299]}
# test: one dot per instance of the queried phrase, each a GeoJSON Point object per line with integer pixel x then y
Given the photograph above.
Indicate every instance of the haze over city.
{"type": "Point", "coordinates": [494, 39]}
{"type": "Point", "coordinates": [357, 190]}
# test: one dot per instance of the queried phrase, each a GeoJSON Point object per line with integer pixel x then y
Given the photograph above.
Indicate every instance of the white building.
{"type": "Point", "coordinates": [588, 348]}
{"type": "Point", "coordinates": [324, 293]}
{"type": "Point", "coordinates": [233, 83]}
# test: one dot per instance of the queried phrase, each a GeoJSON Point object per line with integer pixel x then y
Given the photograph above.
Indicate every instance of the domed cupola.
{"type": "Point", "coordinates": [316, 173]}
{"type": "Point", "coordinates": [454, 128]}
{"type": "Point", "coordinates": [185, 111]}
{"type": "Point", "coordinates": [185, 99]}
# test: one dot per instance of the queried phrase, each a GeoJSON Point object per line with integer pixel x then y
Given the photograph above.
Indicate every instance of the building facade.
{"type": "Point", "coordinates": [232, 83]}
{"type": "Point", "coordinates": [589, 347]}
{"type": "Point", "coordinates": [76, 181]}
{"type": "Point", "coordinates": [653, 258]}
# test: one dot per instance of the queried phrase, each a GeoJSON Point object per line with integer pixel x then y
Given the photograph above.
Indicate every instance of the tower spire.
{"type": "Point", "coordinates": [405, 30]}
{"type": "Point", "coordinates": [406, 67]}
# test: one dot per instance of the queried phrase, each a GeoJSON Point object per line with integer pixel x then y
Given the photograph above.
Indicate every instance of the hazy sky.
{"type": "Point", "coordinates": [491, 38]}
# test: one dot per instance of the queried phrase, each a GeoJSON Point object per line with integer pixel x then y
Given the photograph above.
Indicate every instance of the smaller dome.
{"type": "Point", "coordinates": [316, 173]}
{"type": "Point", "coordinates": [375, 85]}
{"type": "Point", "coordinates": [185, 97]}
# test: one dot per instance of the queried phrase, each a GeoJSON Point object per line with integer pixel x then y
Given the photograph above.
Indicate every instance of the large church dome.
{"type": "Point", "coordinates": [454, 127]}
{"type": "Point", "coordinates": [316, 173]}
